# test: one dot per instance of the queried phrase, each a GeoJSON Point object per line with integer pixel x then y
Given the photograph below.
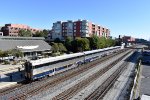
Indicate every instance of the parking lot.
{"type": "Point", "coordinates": [145, 79]}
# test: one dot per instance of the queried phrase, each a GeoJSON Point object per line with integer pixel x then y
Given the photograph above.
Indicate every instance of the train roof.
{"type": "Point", "coordinates": [145, 97]}
{"type": "Point", "coordinates": [98, 50]}
{"type": "Point", "coordinates": [51, 59]}
{"type": "Point", "coordinates": [146, 51]}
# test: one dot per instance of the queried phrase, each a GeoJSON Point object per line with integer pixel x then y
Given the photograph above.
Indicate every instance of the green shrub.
{"type": "Point", "coordinates": [6, 62]}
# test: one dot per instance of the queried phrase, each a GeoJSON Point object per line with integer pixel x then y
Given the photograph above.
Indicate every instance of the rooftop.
{"type": "Point", "coordinates": [24, 45]}
{"type": "Point", "coordinates": [20, 38]}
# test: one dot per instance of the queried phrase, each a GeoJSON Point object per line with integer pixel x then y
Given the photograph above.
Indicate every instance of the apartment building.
{"type": "Point", "coordinates": [13, 29]}
{"type": "Point", "coordinates": [79, 28]}
{"type": "Point", "coordinates": [67, 29]}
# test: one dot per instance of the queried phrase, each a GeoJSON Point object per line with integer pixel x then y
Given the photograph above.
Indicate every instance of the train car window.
{"type": "Point", "coordinates": [70, 65]}
{"type": "Point", "coordinates": [51, 71]}
{"type": "Point", "coordinates": [65, 66]}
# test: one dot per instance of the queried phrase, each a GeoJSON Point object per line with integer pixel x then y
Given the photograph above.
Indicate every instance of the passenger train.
{"type": "Point", "coordinates": [36, 69]}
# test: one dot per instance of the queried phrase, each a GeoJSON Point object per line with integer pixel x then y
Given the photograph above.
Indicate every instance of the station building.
{"type": "Point", "coordinates": [30, 46]}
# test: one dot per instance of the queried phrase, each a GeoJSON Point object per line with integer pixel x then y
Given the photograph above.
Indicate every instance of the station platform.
{"type": "Point", "coordinates": [11, 79]}
{"type": "Point", "coordinates": [4, 69]}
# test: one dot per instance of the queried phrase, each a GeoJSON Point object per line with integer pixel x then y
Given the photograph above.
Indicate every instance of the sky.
{"type": "Point", "coordinates": [122, 17]}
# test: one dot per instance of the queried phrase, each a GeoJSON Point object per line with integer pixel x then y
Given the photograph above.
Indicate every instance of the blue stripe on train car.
{"type": "Point", "coordinates": [87, 60]}
{"type": "Point", "coordinates": [38, 76]}
{"type": "Point", "coordinates": [49, 72]}
{"type": "Point", "coordinates": [42, 74]}
{"type": "Point", "coordinates": [79, 62]}
{"type": "Point", "coordinates": [60, 68]}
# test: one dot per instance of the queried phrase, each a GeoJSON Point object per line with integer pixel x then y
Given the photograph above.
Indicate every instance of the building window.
{"type": "Point", "coordinates": [74, 30]}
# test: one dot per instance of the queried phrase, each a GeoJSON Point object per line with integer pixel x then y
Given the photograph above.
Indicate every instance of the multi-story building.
{"type": "Point", "coordinates": [13, 29]}
{"type": "Point", "coordinates": [79, 28]}
{"type": "Point", "coordinates": [67, 29]}
{"type": "Point", "coordinates": [57, 29]}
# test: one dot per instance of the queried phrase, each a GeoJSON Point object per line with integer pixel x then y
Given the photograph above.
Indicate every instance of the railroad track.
{"type": "Point", "coordinates": [24, 92]}
{"type": "Point", "coordinates": [68, 94]}
{"type": "Point", "coordinates": [100, 92]}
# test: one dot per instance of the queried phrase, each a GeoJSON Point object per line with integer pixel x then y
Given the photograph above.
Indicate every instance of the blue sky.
{"type": "Point", "coordinates": [125, 17]}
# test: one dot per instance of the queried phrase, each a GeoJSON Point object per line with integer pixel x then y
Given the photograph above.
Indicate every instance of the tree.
{"type": "Point", "coordinates": [55, 48]}
{"type": "Point", "coordinates": [74, 46]}
{"type": "Point", "coordinates": [110, 42]}
{"type": "Point", "coordinates": [80, 44]}
{"type": "Point", "coordinates": [43, 33]}
{"type": "Point", "coordinates": [68, 43]}
{"type": "Point", "coordinates": [57, 40]}
{"type": "Point", "coordinates": [21, 33]}
{"type": "Point", "coordinates": [38, 34]}
{"type": "Point", "coordinates": [62, 48]}
{"type": "Point", "coordinates": [103, 42]}
{"type": "Point", "coordinates": [4, 54]}
{"type": "Point", "coordinates": [16, 52]}
{"type": "Point", "coordinates": [25, 33]}
{"type": "Point", "coordinates": [85, 44]}
{"type": "Point", "coordinates": [1, 52]}
{"type": "Point", "coordinates": [95, 42]}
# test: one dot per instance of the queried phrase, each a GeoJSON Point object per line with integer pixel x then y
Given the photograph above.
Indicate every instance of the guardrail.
{"type": "Point", "coordinates": [132, 94]}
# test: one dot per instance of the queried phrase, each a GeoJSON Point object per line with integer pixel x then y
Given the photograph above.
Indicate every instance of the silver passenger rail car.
{"type": "Point", "coordinates": [49, 66]}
